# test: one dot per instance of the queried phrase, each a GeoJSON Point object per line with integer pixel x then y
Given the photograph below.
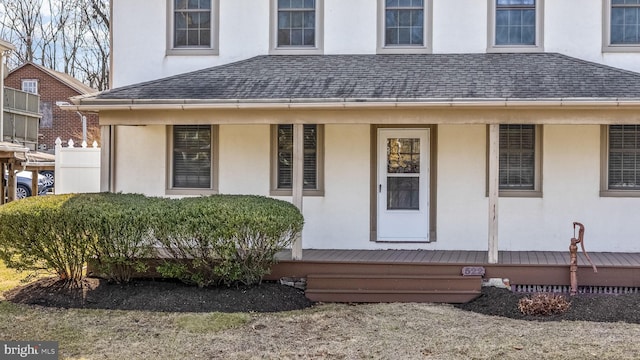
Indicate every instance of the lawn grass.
{"type": "Point", "coordinates": [329, 331]}
{"type": "Point", "coordinates": [10, 278]}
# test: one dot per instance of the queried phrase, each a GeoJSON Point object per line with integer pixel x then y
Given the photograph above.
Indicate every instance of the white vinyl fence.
{"type": "Point", "coordinates": [77, 168]}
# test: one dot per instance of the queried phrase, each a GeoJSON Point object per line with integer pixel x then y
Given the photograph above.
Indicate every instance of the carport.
{"type": "Point", "coordinates": [11, 157]}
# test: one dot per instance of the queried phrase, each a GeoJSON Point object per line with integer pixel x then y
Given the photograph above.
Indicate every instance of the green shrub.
{"type": "Point", "coordinates": [44, 233]}
{"type": "Point", "coordinates": [215, 239]}
{"type": "Point", "coordinates": [119, 227]}
{"type": "Point", "coordinates": [225, 238]}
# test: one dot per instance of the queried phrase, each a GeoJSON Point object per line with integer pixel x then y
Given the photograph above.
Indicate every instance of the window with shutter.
{"type": "Point", "coordinates": [517, 157]}
{"type": "Point", "coordinates": [192, 158]}
{"type": "Point", "coordinates": [624, 157]}
{"type": "Point", "coordinates": [520, 160]}
{"type": "Point", "coordinates": [283, 162]}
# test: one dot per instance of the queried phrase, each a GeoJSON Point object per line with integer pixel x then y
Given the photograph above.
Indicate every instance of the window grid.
{"type": "Point", "coordinates": [404, 22]}
{"type": "Point", "coordinates": [192, 23]}
{"type": "Point", "coordinates": [30, 86]}
{"type": "Point", "coordinates": [285, 157]}
{"type": "Point", "coordinates": [624, 157]}
{"type": "Point", "coordinates": [515, 22]}
{"type": "Point", "coordinates": [297, 23]}
{"type": "Point", "coordinates": [625, 22]}
{"type": "Point", "coordinates": [192, 156]}
{"type": "Point", "coordinates": [517, 157]}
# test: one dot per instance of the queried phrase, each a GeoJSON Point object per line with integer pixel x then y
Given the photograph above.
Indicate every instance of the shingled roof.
{"type": "Point", "coordinates": [392, 77]}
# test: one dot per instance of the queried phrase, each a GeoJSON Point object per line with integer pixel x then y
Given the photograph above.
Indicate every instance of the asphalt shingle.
{"type": "Point", "coordinates": [401, 77]}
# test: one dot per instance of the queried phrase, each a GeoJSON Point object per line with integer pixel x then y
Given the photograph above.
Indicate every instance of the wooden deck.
{"type": "Point", "coordinates": [436, 275]}
{"type": "Point", "coordinates": [605, 259]}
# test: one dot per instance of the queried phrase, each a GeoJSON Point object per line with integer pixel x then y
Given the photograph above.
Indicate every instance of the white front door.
{"type": "Point", "coordinates": [403, 185]}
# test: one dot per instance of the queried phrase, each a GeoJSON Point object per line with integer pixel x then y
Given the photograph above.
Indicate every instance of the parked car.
{"type": "Point", "coordinates": [23, 186]}
{"type": "Point", "coordinates": [49, 177]}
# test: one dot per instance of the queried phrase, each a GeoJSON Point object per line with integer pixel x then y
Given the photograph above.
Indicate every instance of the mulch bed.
{"type": "Point", "coordinates": [169, 296]}
{"type": "Point", "coordinates": [584, 307]}
{"type": "Point", "coordinates": [159, 296]}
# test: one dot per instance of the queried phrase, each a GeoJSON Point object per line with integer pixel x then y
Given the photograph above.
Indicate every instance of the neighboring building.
{"type": "Point", "coordinates": [396, 124]}
{"type": "Point", "coordinates": [53, 87]}
{"type": "Point", "coordinates": [20, 109]}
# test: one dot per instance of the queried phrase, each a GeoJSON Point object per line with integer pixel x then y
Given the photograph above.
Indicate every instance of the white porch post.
{"type": "Point", "coordinates": [494, 159]}
{"type": "Point", "coordinates": [297, 182]}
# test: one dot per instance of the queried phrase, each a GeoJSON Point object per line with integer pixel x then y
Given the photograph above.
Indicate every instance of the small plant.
{"type": "Point", "coordinates": [544, 304]}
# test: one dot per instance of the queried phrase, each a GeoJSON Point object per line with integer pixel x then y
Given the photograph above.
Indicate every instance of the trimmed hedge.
{"type": "Point", "coordinates": [217, 239]}
{"type": "Point", "coordinates": [44, 233]}
{"type": "Point", "coordinates": [225, 239]}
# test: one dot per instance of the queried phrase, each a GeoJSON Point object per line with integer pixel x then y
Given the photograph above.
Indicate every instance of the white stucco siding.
{"type": "Point", "coordinates": [140, 160]}
{"type": "Point", "coordinates": [459, 26]}
{"type": "Point", "coordinates": [350, 26]}
{"type": "Point", "coordinates": [462, 207]}
{"type": "Point", "coordinates": [244, 159]}
{"type": "Point", "coordinates": [571, 184]}
{"type": "Point", "coordinates": [140, 42]}
{"type": "Point", "coordinates": [340, 219]}
{"type": "Point", "coordinates": [575, 28]}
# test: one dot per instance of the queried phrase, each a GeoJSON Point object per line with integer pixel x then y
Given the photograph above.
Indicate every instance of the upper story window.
{"type": "Point", "coordinates": [515, 25]}
{"type": "Point", "coordinates": [621, 160]}
{"type": "Point", "coordinates": [282, 161]}
{"type": "Point", "coordinates": [192, 159]}
{"type": "Point", "coordinates": [520, 160]}
{"type": "Point", "coordinates": [404, 26]}
{"type": "Point", "coordinates": [622, 25]}
{"type": "Point", "coordinates": [193, 27]}
{"type": "Point", "coordinates": [30, 86]}
{"type": "Point", "coordinates": [297, 26]}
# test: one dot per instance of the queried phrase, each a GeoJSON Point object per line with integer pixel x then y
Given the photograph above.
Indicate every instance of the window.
{"type": "Point", "coordinates": [622, 25]}
{"type": "Point", "coordinates": [192, 159]}
{"type": "Point", "coordinates": [516, 25]}
{"type": "Point", "coordinates": [30, 86]}
{"type": "Point", "coordinates": [621, 154]}
{"type": "Point", "coordinates": [404, 26]}
{"type": "Point", "coordinates": [520, 160]}
{"type": "Point", "coordinates": [282, 160]}
{"type": "Point", "coordinates": [193, 27]}
{"type": "Point", "coordinates": [297, 26]}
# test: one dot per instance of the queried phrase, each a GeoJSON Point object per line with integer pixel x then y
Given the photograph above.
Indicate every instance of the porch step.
{"type": "Point", "coordinates": [392, 288]}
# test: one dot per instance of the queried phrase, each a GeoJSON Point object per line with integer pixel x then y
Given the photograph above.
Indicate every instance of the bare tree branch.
{"type": "Point", "coordinates": [71, 36]}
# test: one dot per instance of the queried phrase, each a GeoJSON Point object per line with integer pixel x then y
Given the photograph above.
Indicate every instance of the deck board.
{"type": "Point", "coordinates": [465, 257]}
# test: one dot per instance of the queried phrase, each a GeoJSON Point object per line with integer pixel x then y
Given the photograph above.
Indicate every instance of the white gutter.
{"type": "Point", "coordinates": [295, 104]}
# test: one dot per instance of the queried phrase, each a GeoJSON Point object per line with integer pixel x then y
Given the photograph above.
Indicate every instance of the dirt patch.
{"type": "Point", "coordinates": [160, 296]}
